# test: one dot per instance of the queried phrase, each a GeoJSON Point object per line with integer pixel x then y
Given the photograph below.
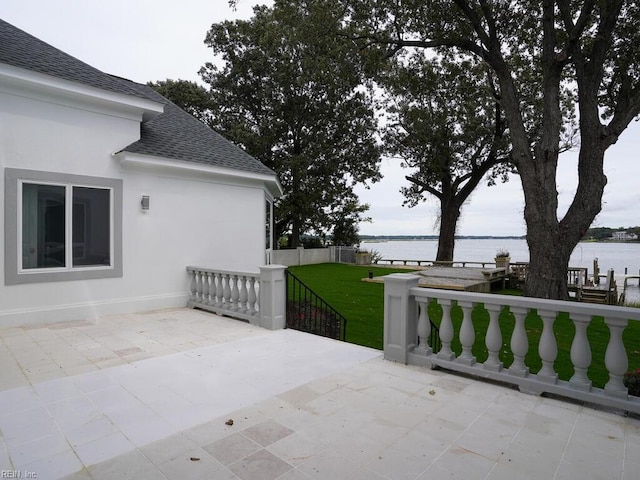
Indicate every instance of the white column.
{"type": "Point", "coordinates": [400, 316]}
{"type": "Point", "coordinates": [273, 297]}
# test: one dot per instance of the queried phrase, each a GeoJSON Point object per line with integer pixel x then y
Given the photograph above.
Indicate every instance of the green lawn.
{"type": "Point", "coordinates": [361, 303]}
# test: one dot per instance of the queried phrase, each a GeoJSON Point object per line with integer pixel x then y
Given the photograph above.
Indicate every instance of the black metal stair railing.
{"type": "Point", "coordinates": [434, 338]}
{"type": "Point", "coordinates": [308, 312]}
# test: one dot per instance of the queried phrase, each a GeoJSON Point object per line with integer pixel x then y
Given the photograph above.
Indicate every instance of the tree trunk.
{"type": "Point", "coordinates": [295, 233]}
{"type": "Point", "coordinates": [550, 241]}
{"type": "Point", "coordinates": [449, 215]}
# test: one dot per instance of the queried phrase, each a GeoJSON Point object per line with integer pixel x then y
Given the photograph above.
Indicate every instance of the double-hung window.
{"type": "Point", "coordinates": [62, 227]}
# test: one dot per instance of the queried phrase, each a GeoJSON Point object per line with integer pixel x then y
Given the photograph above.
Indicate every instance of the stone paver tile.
{"type": "Point", "coordinates": [328, 464]}
{"type": "Point", "coordinates": [232, 448]}
{"type": "Point", "coordinates": [262, 465]}
{"type": "Point", "coordinates": [267, 432]}
{"type": "Point", "coordinates": [193, 464]}
{"type": "Point", "coordinates": [127, 466]}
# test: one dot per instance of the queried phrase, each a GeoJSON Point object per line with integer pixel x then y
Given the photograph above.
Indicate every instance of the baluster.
{"type": "Point", "coordinates": [615, 358]}
{"type": "Point", "coordinates": [252, 298]}
{"type": "Point", "coordinates": [467, 334]}
{"type": "Point", "coordinates": [257, 286]}
{"type": "Point", "coordinates": [424, 329]}
{"type": "Point", "coordinates": [244, 295]}
{"type": "Point", "coordinates": [199, 286]}
{"type": "Point", "coordinates": [446, 331]}
{"type": "Point", "coordinates": [193, 288]}
{"type": "Point", "coordinates": [204, 287]}
{"type": "Point", "coordinates": [493, 340]}
{"type": "Point", "coordinates": [519, 343]}
{"type": "Point", "coordinates": [581, 352]}
{"type": "Point", "coordinates": [235, 293]}
{"type": "Point", "coordinates": [212, 288]}
{"type": "Point", "coordinates": [548, 347]}
{"type": "Point", "coordinates": [219, 290]}
{"type": "Point", "coordinates": [226, 292]}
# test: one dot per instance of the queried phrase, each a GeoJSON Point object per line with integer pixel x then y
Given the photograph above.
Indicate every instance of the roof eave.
{"type": "Point", "coordinates": [19, 81]}
{"type": "Point", "coordinates": [270, 181]}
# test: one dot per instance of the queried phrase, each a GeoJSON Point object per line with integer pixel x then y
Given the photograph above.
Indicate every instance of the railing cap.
{"type": "Point", "coordinates": [224, 272]}
{"type": "Point", "coordinates": [607, 311]}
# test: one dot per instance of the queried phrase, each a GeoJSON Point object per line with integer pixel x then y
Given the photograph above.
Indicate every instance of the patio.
{"type": "Point", "coordinates": [152, 395]}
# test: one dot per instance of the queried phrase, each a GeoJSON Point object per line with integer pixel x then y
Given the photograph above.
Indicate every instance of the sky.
{"type": "Point", "coordinates": [150, 40]}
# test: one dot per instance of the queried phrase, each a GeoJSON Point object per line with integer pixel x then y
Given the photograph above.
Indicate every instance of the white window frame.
{"type": "Point", "coordinates": [14, 271]}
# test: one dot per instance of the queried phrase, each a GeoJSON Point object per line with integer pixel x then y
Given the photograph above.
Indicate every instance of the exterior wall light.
{"type": "Point", "coordinates": [144, 203]}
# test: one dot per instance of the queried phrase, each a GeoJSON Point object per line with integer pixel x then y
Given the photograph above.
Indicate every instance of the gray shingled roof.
{"type": "Point", "coordinates": [178, 135]}
{"type": "Point", "coordinates": [19, 49]}
{"type": "Point", "coordinates": [174, 134]}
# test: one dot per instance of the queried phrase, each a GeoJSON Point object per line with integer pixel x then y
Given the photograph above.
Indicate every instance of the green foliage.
{"type": "Point", "coordinates": [345, 232]}
{"type": "Point", "coordinates": [290, 93]}
{"type": "Point", "coordinates": [631, 380]}
{"type": "Point", "coordinates": [445, 123]}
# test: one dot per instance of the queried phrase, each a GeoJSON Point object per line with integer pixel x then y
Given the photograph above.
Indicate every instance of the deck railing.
{"type": "Point", "coordinates": [406, 339]}
{"type": "Point", "coordinates": [255, 297]}
{"type": "Point", "coordinates": [308, 312]}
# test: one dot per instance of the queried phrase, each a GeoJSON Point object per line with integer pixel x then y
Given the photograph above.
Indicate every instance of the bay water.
{"type": "Point", "coordinates": [611, 255]}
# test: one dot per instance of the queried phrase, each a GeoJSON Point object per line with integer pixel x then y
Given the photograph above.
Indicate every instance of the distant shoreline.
{"type": "Point", "coordinates": [391, 238]}
{"type": "Point", "coordinates": [365, 238]}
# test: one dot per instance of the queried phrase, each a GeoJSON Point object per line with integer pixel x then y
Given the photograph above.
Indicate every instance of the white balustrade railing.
{"type": "Point", "coordinates": [255, 297]}
{"type": "Point", "coordinates": [406, 339]}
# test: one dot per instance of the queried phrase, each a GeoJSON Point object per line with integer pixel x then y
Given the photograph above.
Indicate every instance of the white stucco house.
{"type": "Point", "coordinates": [110, 191]}
{"type": "Point", "coordinates": [624, 236]}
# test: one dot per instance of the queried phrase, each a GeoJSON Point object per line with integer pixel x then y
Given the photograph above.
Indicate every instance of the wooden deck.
{"type": "Point", "coordinates": [468, 279]}
{"type": "Point", "coordinates": [481, 276]}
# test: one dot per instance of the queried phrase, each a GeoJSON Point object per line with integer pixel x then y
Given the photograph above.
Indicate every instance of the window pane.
{"type": "Point", "coordinates": [43, 228]}
{"type": "Point", "coordinates": [91, 235]}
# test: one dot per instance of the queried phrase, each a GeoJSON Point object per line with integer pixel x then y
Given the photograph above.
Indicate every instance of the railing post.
{"type": "Point", "coordinates": [400, 316]}
{"type": "Point", "coordinates": [273, 297]}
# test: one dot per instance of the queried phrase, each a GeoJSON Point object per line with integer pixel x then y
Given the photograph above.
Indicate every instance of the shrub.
{"type": "Point", "coordinates": [631, 380]}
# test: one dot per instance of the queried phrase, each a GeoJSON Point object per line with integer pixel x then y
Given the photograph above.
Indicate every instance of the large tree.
{"type": "Point", "coordinates": [540, 53]}
{"type": "Point", "coordinates": [289, 94]}
{"type": "Point", "coordinates": [445, 123]}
